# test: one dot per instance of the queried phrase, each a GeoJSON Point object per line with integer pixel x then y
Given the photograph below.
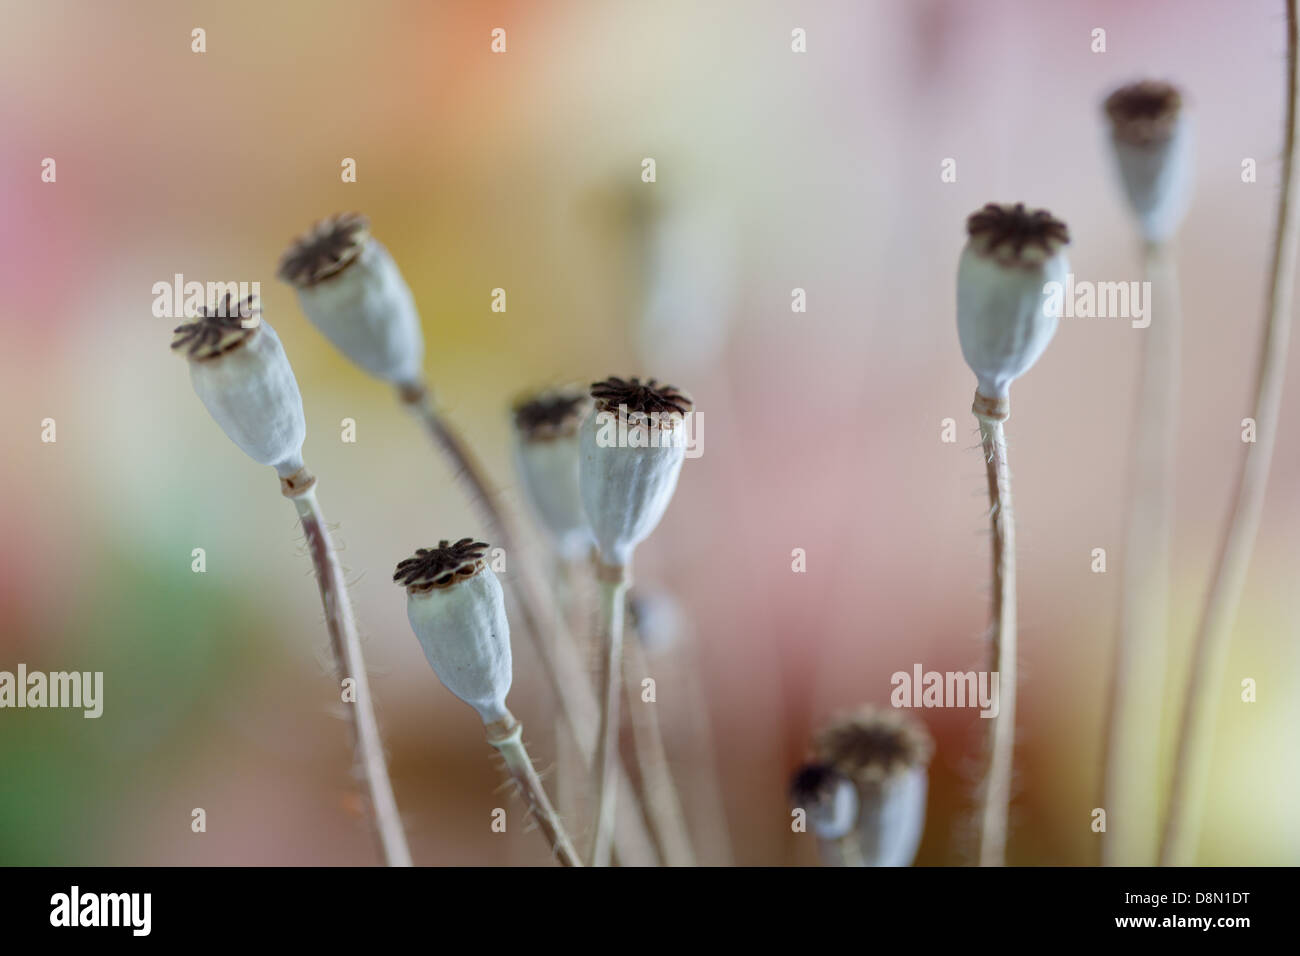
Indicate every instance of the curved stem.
{"type": "Point", "coordinates": [1138, 674]}
{"type": "Point", "coordinates": [507, 736]}
{"type": "Point", "coordinates": [346, 646]}
{"type": "Point", "coordinates": [613, 598]}
{"type": "Point", "coordinates": [659, 791]}
{"type": "Point", "coordinates": [1002, 638]}
{"type": "Point", "coordinates": [1196, 730]}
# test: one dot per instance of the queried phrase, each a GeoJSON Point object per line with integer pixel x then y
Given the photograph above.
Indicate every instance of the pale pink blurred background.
{"type": "Point", "coordinates": [775, 170]}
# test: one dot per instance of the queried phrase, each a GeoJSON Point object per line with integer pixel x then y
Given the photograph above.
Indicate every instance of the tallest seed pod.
{"type": "Point", "coordinates": [1007, 311]}
{"type": "Point", "coordinates": [352, 291]}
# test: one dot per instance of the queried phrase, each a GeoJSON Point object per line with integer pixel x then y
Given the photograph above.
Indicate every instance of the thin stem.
{"type": "Point", "coordinates": [570, 774]}
{"type": "Point", "coordinates": [659, 792]}
{"type": "Point", "coordinates": [507, 736]}
{"type": "Point", "coordinates": [1002, 639]}
{"type": "Point", "coordinates": [562, 668]}
{"type": "Point", "coordinates": [346, 645]}
{"type": "Point", "coordinates": [1138, 675]}
{"type": "Point", "coordinates": [613, 598]}
{"type": "Point", "coordinates": [1196, 730]}
{"type": "Point", "coordinates": [706, 797]}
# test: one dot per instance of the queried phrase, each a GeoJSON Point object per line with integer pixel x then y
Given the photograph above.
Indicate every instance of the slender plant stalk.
{"type": "Point", "coordinates": [706, 799]}
{"type": "Point", "coordinates": [346, 645]}
{"type": "Point", "coordinates": [659, 793]}
{"type": "Point", "coordinates": [561, 668]}
{"type": "Point", "coordinates": [997, 784]}
{"type": "Point", "coordinates": [1129, 779]}
{"type": "Point", "coordinates": [507, 736]}
{"type": "Point", "coordinates": [571, 781]}
{"type": "Point", "coordinates": [1196, 730]}
{"type": "Point", "coordinates": [613, 600]}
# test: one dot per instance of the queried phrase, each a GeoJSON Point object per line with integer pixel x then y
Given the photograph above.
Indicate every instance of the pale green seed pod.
{"type": "Point", "coordinates": [350, 288]}
{"type": "Point", "coordinates": [886, 755]}
{"type": "Point", "coordinates": [457, 610]}
{"type": "Point", "coordinates": [632, 446]}
{"type": "Point", "coordinates": [1007, 311]}
{"type": "Point", "coordinates": [546, 457]}
{"type": "Point", "coordinates": [1153, 139]}
{"type": "Point", "coordinates": [241, 374]}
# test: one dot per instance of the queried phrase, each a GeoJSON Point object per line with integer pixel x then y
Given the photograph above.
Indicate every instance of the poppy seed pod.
{"type": "Point", "coordinates": [546, 455]}
{"type": "Point", "coordinates": [886, 755]}
{"type": "Point", "coordinates": [456, 609]}
{"type": "Point", "coordinates": [240, 372]}
{"type": "Point", "coordinates": [1152, 136]}
{"type": "Point", "coordinates": [828, 798]}
{"type": "Point", "coordinates": [1007, 311]}
{"type": "Point", "coordinates": [352, 291]}
{"type": "Point", "coordinates": [632, 446]}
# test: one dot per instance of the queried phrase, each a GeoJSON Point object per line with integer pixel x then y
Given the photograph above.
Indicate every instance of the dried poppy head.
{"type": "Point", "coordinates": [1145, 112]}
{"type": "Point", "coordinates": [553, 413]}
{"type": "Point", "coordinates": [632, 448]}
{"type": "Point", "coordinates": [240, 372]}
{"type": "Point", "coordinates": [457, 611]}
{"type": "Point", "coordinates": [1152, 136]}
{"type": "Point", "coordinates": [873, 745]}
{"type": "Point", "coordinates": [639, 398]}
{"type": "Point", "coordinates": [546, 456]}
{"type": "Point", "coordinates": [1006, 310]}
{"type": "Point", "coordinates": [886, 755]}
{"type": "Point", "coordinates": [1015, 236]}
{"type": "Point", "coordinates": [218, 329]}
{"type": "Point", "coordinates": [352, 291]}
{"type": "Point", "coordinates": [326, 249]}
{"type": "Point", "coordinates": [443, 566]}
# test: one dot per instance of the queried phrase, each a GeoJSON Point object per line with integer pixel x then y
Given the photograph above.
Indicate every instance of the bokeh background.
{"type": "Point", "coordinates": [775, 170]}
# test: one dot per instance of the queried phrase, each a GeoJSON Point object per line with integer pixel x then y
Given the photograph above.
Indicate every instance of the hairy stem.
{"type": "Point", "coordinates": [1002, 639]}
{"type": "Point", "coordinates": [659, 792]}
{"type": "Point", "coordinates": [507, 736]}
{"type": "Point", "coordinates": [1200, 705]}
{"type": "Point", "coordinates": [561, 666]}
{"type": "Point", "coordinates": [1129, 778]}
{"type": "Point", "coordinates": [346, 646]}
{"type": "Point", "coordinates": [613, 598]}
